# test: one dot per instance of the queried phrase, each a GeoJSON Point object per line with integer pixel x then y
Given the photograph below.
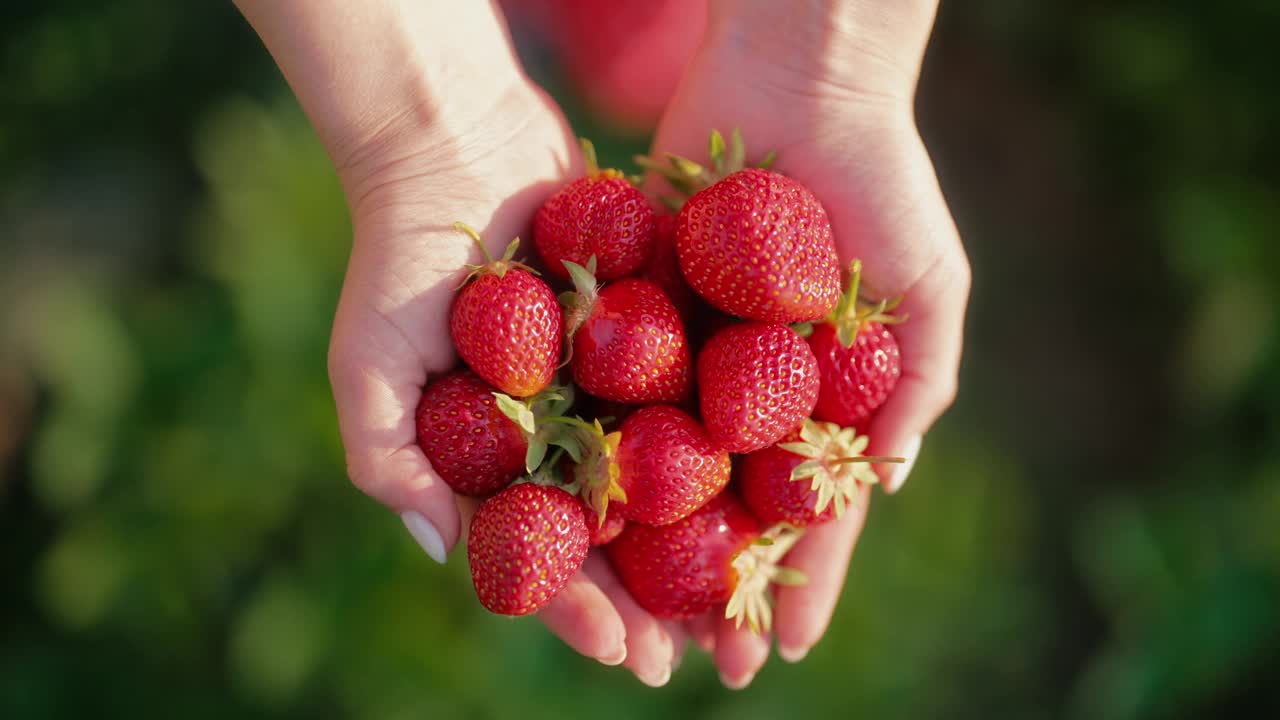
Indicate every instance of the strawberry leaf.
{"type": "Point", "coordinates": [536, 453]}
{"type": "Point", "coordinates": [519, 412]}
{"type": "Point", "coordinates": [715, 151]}
{"type": "Point", "coordinates": [737, 151]}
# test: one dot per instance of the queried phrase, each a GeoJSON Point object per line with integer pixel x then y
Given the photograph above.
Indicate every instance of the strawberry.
{"type": "Point", "coordinates": [808, 479]}
{"type": "Point", "coordinates": [668, 466]}
{"type": "Point", "coordinates": [709, 558]}
{"type": "Point", "coordinates": [524, 545]}
{"type": "Point", "coordinates": [602, 533]}
{"type": "Point", "coordinates": [757, 382]}
{"type": "Point", "coordinates": [657, 468]}
{"type": "Point", "coordinates": [758, 245]}
{"type": "Point", "coordinates": [628, 344]}
{"type": "Point", "coordinates": [474, 447]}
{"type": "Point", "coordinates": [601, 215]}
{"type": "Point", "coordinates": [663, 269]}
{"type": "Point", "coordinates": [506, 323]}
{"type": "Point", "coordinates": [858, 358]}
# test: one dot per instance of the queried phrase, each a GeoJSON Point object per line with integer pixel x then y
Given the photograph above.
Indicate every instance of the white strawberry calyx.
{"type": "Point", "coordinates": [757, 568]}
{"type": "Point", "coordinates": [531, 415]}
{"type": "Point", "coordinates": [688, 177]}
{"type": "Point", "coordinates": [595, 455]}
{"type": "Point", "coordinates": [497, 267]}
{"type": "Point", "coordinates": [852, 314]}
{"type": "Point", "coordinates": [834, 464]}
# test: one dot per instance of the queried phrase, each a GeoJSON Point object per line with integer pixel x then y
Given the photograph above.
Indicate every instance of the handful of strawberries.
{"type": "Point", "coordinates": [720, 331]}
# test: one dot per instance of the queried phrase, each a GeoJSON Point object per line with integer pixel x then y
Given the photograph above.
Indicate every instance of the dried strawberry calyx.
{"type": "Point", "coordinates": [688, 177]}
{"type": "Point", "coordinates": [579, 302]}
{"type": "Point", "coordinates": [531, 414]}
{"type": "Point", "coordinates": [490, 266]}
{"type": "Point", "coordinates": [757, 567]}
{"type": "Point", "coordinates": [595, 456]}
{"type": "Point", "coordinates": [834, 464]}
{"type": "Point", "coordinates": [852, 313]}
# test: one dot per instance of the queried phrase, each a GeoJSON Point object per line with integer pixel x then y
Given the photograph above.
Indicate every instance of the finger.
{"type": "Point", "coordinates": [703, 631]}
{"type": "Point", "coordinates": [377, 383]}
{"type": "Point", "coordinates": [586, 619]}
{"type": "Point", "coordinates": [739, 653]}
{"type": "Point", "coordinates": [679, 642]}
{"type": "Point", "coordinates": [650, 650]}
{"type": "Point", "coordinates": [803, 612]}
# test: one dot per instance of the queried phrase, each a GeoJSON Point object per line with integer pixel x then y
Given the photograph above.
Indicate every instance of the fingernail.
{"type": "Point", "coordinates": [792, 654]}
{"type": "Point", "coordinates": [659, 679]}
{"type": "Point", "coordinates": [738, 684]}
{"type": "Point", "coordinates": [900, 473]}
{"type": "Point", "coordinates": [616, 658]}
{"type": "Point", "coordinates": [425, 533]}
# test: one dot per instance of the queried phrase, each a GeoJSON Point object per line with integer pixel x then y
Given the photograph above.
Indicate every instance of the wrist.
{"type": "Point", "coordinates": [838, 47]}
{"type": "Point", "coordinates": [374, 74]}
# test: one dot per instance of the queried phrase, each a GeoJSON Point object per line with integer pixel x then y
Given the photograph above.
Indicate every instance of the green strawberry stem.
{"type": "Point", "coordinates": [498, 267]}
{"type": "Point", "coordinates": [866, 459]}
{"type": "Point", "coordinates": [534, 416]}
{"type": "Point", "coordinates": [852, 314]}
{"type": "Point", "coordinates": [688, 177]}
{"type": "Point", "coordinates": [590, 159]}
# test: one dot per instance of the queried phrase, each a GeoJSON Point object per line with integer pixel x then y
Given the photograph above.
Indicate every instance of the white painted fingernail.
{"type": "Point", "coordinates": [658, 680]}
{"type": "Point", "coordinates": [737, 683]}
{"type": "Point", "coordinates": [616, 658]}
{"type": "Point", "coordinates": [792, 654]}
{"type": "Point", "coordinates": [900, 473]}
{"type": "Point", "coordinates": [425, 533]}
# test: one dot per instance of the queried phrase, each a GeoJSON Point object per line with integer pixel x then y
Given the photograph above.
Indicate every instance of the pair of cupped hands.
{"type": "Point", "coordinates": [833, 98]}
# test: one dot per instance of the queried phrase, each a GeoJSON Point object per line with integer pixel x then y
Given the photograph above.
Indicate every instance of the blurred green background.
{"type": "Point", "coordinates": [1092, 532]}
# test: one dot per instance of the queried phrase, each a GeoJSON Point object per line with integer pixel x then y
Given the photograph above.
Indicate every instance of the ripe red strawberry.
{"type": "Point", "coordinates": [709, 558]}
{"type": "Point", "coordinates": [757, 382]}
{"type": "Point", "coordinates": [506, 324]}
{"type": "Point", "coordinates": [858, 358]}
{"type": "Point", "coordinates": [601, 215]}
{"type": "Point", "coordinates": [856, 379]}
{"type": "Point", "coordinates": [663, 270]}
{"type": "Point", "coordinates": [808, 479]}
{"type": "Point", "coordinates": [524, 545]}
{"type": "Point", "coordinates": [470, 443]}
{"type": "Point", "coordinates": [602, 533]}
{"type": "Point", "coordinates": [657, 468]}
{"type": "Point", "coordinates": [668, 466]}
{"type": "Point", "coordinates": [628, 341]}
{"type": "Point", "coordinates": [759, 245]}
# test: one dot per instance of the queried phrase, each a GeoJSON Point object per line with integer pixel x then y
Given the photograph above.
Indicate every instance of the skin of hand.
{"type": "Point", "coordinates": [429, 120]}
{"type": "Point", "coordinates": [830, 86]}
